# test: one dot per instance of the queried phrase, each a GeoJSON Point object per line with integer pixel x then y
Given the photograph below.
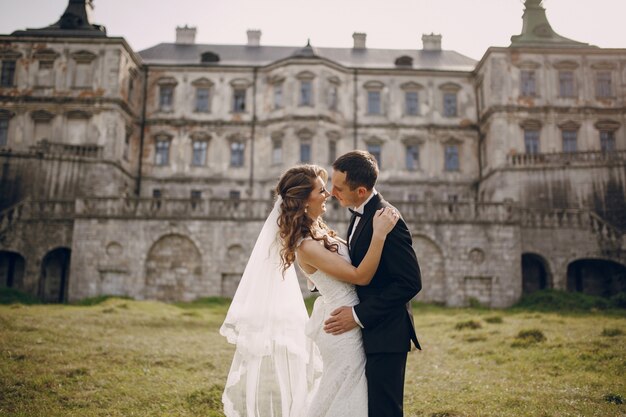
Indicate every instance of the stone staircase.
{"type": "Point", "coordinates": [611, 239]}
{"type": "Point", "coordinates": [28, 209]}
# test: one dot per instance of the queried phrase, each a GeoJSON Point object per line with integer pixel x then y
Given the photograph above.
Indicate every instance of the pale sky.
{"type": "Point", "coordinates": [467, 26]}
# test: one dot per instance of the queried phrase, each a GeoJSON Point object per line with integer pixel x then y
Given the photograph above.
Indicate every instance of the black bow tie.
{"type": "Point", "coordinates": [355, 213]}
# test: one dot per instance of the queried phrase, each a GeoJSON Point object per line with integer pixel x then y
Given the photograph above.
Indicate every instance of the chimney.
{"type": "Point", "coordinates": [359, 40]}
{"type": "Point", "coordinates": [254, 37]}
{"type": "Point", "coordinates": [431, 42]}
{"type": "Point", "coordinates": [186, 35]}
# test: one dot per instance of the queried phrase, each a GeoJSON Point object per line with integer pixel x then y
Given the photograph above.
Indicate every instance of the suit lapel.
{"type": "Point", "coordinates": [368, 215]}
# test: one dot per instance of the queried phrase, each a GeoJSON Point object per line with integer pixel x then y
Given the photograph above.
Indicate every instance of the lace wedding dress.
{"type": "Point", "coordinates": [343, 388]}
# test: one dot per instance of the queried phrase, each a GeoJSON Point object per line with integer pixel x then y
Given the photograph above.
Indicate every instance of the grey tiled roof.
{"type": "Point", "coordinates": [182, 54]}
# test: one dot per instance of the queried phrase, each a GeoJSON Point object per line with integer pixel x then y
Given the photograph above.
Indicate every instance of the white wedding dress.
{"type": "Point", "coordinates": [342, 390]}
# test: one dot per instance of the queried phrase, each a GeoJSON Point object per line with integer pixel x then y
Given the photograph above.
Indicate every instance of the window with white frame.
{"type": "Point", "coordinates": [306, 93]}
{"type": "Point", "coordinates": [411, 103]}
{"type": "Point", "coordinates": [239, 100]}
{"type": "Point", "coordinates": [451, 157]}
{"type": "Point", "coordinates": [278, 96]}
{"type": "Point", "coordinates": [607, 140]}
{"type": "Point", "coordinates": [162, 151]}
{"type": "Point", "coordinates": [237, 149]}
{"type": "Point", "coordinates": [412, 156]}
{"type": "Point", "coordinates": [604, 84]}
{"type": "Point", "coordinates": [4, 131]}
{"type": "Point", "coordinates": [373, 102]}
{"type": "Point", "coordinates": [332, 151]}
{"type": "Point", "coordinates": [376, 149]}
{"type": "Point", "coordinates": [570, 140]}
{"type": "Point", "coordinates": [277, 151]}
{"type": "Point", "coordinates": [374, 97]}
{"type": "Point", "coordinates": [531, 141]}
{"type": "Point", "coordinates": [84, 69]}
{"type": "Point", "coordinates": [333, 97]}
{"type": "Point", "coordinates": [199, 154]}
{"type": "Point", "coordinates": [566, 83]}
{"type": "Point", "coordinates": [202, 99]}
{"type": "Point", "coordinates": [528, 83]}
{"type": "Point", "coordinates": [166, 97]}
{"type": "Point", "coordinates": [305, 150]}
{"type": "Point", "coordinates": [7, 73]}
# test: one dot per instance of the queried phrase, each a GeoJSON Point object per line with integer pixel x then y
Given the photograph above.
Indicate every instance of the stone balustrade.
{"type": "Point", "coordinates": [65, 149]}
{"type": "Point", "coordinates": [566, 158]}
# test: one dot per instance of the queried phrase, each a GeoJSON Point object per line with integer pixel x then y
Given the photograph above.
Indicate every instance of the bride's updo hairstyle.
{"type": "Point", "coordinates": [295, 187]}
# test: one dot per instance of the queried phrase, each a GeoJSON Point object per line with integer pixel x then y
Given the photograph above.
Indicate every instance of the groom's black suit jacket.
{"type": "Point", "coordinates": [384, 308]}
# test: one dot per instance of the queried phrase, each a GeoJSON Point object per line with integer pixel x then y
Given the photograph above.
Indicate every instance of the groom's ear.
{"type": "Point", "coordinates": [361, 191]}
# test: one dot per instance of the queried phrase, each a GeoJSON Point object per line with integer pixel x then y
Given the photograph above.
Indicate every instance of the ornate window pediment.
{"type": "Point", "coordinates": [530, 124]}
{"type": "Point", "coordinates": [201, 136]}
{"type": "Point", "coordinates": [277, 135]}
{"type": "Point", "coordinates": [10, 54]}
{"type": "Point", "coordinates": [333, 135]}
{"type": "Point", "coordinates": [42, 115]}
{"type": "Point", "coordinates": [566, 65]}
{"type": "Point", "coordinates": [374, 140]}
{"type": "Point", "coordinates": [607, 125]}
{"type": "Point", "coordinates": [527, 65]}
{"type": "Point", "coordinates": [569, 125]}
{"type": "Point", "coordinates": [163, 135]}
{"type": "Point", "coordinates": [604, 65]}
{"type": "Point", "coordinates": [83, 57]}
{"type": "Point", "coordinates": [6, 114]}
{"type": "Point", "coordinates": [452, 141]}
{"type": "Point", "coordinates": [78, 114]}
{"type": "Point", "coordinates": [373, 85]}
{"type": "Point", "coordinates": [412, 140]}
{"type": "Point", "coordinates": [305, 76]}
{"type": "Point", "coordinates": [240, 83]}
{"type": "Point", "coordinates": [167, 81]}
{"type": "Point", "coordinates": [202, 82]}
{"type": "Point", "coordinates": [45, 55]}
{"type": "Point", "coordinates": [236, 137]}
{"type": "Point", "coordinates": [334, 80]}
{"type": "Point", "coordinates": [305, 133]}
{"type": "Point", "coordinates": [450, 87]}
{"type": "Point", "coordinates": [275, 79]}
{"type": "Point", "coordinates": [411, 86]}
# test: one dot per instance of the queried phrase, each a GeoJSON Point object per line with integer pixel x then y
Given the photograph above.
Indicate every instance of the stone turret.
{"type": "Point", "coordinates": [536, 30]}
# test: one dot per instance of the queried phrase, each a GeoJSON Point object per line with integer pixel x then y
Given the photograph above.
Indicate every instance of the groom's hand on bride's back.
{"type": "Point", "coordinates": [340, 321]}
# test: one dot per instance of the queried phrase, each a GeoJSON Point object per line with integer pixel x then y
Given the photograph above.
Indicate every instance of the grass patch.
{"type": "Point", "coordinates": [614, 398]}
{"type": "Point", "coordinates": [528, 337]}
{"type": "Point", "coordinates": [13, 296]}
{"type": "Point", "coordinates": [494, 320]}
{"type": "Point", "coordinates": [93, 301]}
{"type": "Point", "coordinates": [150, 359]}
{"type": "Point", "coordinates": [469, 324]}
{"type": "Point", "coordinates": [612, 332]}
{"type": "Point", "coordinates": [564, 301]}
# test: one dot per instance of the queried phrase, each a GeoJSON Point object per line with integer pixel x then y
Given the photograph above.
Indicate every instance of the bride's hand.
{"type": "Point", "coordinates": [384, 221]}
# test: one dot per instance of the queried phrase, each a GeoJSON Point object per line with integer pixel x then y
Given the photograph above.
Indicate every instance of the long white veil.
{"type": "Point", "coordinates": [275, 368]}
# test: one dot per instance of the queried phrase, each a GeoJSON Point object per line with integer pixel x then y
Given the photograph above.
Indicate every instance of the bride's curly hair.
{"type": "Point", "coordinates": [295, 187]}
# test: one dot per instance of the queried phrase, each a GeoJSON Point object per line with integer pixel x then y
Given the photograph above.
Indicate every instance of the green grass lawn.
{"type": "Point", "coordinates": [129, 358]}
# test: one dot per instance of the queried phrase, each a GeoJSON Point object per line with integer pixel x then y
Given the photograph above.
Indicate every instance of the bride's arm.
{"type": "Point", "coordinates": [312, 253]}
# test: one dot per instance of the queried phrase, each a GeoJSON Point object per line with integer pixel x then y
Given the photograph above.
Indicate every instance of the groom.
{"type": "Point", "coordinates": [384, 312]}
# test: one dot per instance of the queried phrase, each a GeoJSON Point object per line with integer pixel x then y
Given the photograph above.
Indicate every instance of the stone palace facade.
{"type": "Point", "coordinates": [149, 174]}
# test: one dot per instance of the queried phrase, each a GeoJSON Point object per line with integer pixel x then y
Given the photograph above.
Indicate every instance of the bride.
{"type": "Point", "coordinates": [276, 367]}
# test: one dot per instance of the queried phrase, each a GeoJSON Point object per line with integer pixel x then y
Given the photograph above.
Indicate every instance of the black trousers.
{"type": "Point", "coordinates": [385, 384]}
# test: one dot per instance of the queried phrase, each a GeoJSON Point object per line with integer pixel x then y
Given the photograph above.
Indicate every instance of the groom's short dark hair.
{"type": "Point", "coordinates": [360, 168]}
